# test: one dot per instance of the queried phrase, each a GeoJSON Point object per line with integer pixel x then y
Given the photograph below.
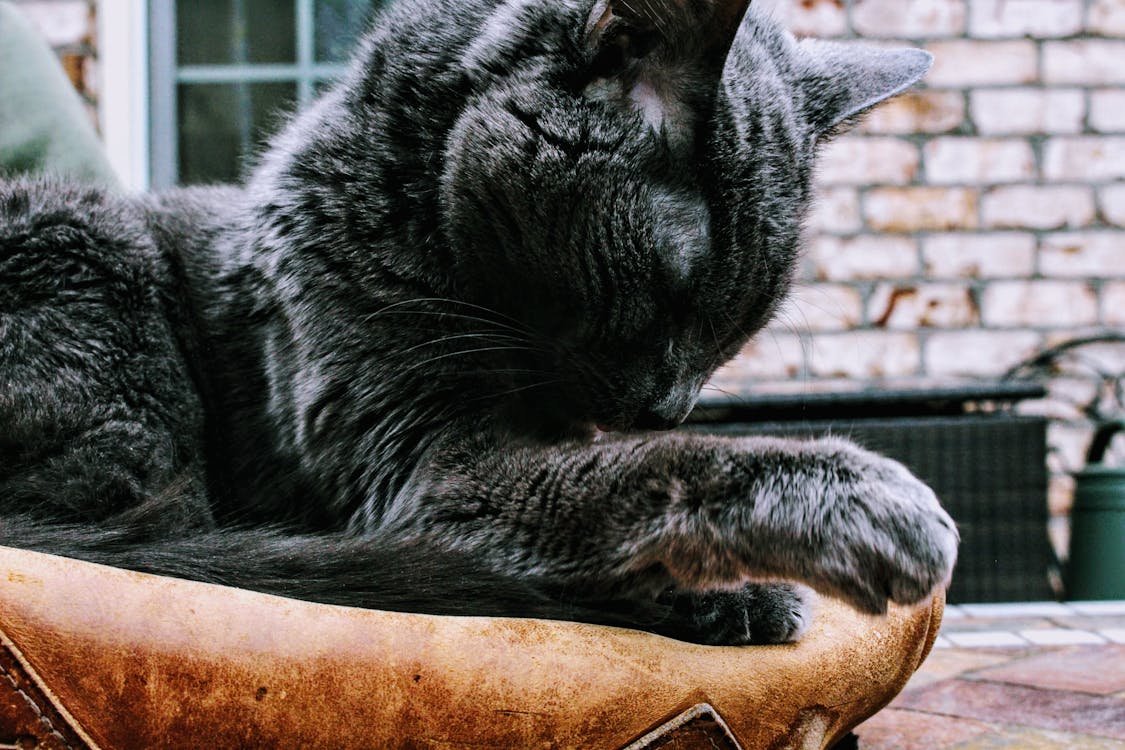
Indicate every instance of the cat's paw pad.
{"type": "Point", "coordinates": [757, 614]}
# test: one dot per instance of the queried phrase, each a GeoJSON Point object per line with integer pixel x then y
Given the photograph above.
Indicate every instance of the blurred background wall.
{"type": "Point", "coordinates": [69, 27]}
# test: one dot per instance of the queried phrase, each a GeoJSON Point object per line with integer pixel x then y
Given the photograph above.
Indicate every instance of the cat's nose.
{"type": "Point", "coordinates": [668, 412]}
{"type": "Point", "coordinates": [651, 420]}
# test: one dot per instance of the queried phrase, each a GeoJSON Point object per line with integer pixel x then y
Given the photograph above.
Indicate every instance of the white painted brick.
{"type": "Point", "coordinates": [1035, 18]}
{"type": "Point", "coordinates": [821, 307]}
{"type": "Point", "coordinates": [1108, 357]}
{"type": "Point", "coordinates": [1060, 494]}
{"type": "Point", "coordinates": [918, 112]}
{"type": "Point", "coordinates": [906, 307]}
{"type": "Point", "coordinates": [1039, 304]}
{"type": "Point", "coordinates": [1057, 405]}
{"type": "Point", "coordinates": [1093, 62]}
{"type": "Point", "coordinates": [91, 78]}
{"type": "Point", "coordinates": [1070, 442]}
{"type": "Point", "coordinates": [1058, 532]}
{"type": "Point", "coordinates": [1107, 111]}
{"type": "Point", "coordinates": [1111, 203]}
{"type": "Point", "coordinates": [771, 355]}
{"type": "Point", "coordinates": [806, 385]}
{"type": "Point", "coordinates": [951, 161]}
{"type": "Point", "coordinates": [1113, 304]}
{"type": "Point", "coordinates": [921, 208]}
{"type": "Point", "coordinates": [1027, 111]}
{"type": "Point", "coordinates": [913, 20]}
{"type": "Point", "coordinates": [963, 63]}
{"type": "Point", "coordinates": [1090, 159]}
{"type": "Point", "coordinates": [836, 210]}
{"type": "Point", "coordinates": [991, 255]}
{"type": "Point", "coordinates": [1107, 17]}
{"type": "Point", "coordinates": [1037, 207]}
{"type": "Point", "coordinates": [1083, 254]}
{"type": "Point", "coordinates": [61, 22]}
{"type": "Point", "coordinates": [863, 257]}
{"type": "Point", "coordinates": [867, 161]}
{"type": "Point", "coordinates": [815, 18]}
{"type": "Point", "coordinates": [977, 353]}
{"type": "Point", "coordinates": [864, 354]}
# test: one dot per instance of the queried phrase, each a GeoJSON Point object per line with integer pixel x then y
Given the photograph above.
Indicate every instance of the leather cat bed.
{"type": "Point", "coordinates": [94, 657]}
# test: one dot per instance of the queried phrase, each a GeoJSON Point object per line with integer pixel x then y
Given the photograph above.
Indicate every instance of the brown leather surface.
{"type": "Point", "coordinates": [28, 717]}
{"type": "Point", "coordinates": [698, 728]}
{"type": "Point", "coordinates": [138, 661]}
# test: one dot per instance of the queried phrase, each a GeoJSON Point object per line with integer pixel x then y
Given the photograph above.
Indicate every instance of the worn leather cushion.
{"type": "Point", "coordinates": [94, 657]}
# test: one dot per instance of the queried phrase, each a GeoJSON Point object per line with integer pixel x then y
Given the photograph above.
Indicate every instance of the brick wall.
{"type": "Point", "coordinates": [68, 26]}
{"type": "Point", "coordinates": [969, 224]}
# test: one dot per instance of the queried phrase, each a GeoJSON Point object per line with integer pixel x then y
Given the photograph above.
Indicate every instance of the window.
{"type": "Point", "coordinates": [223, 73]}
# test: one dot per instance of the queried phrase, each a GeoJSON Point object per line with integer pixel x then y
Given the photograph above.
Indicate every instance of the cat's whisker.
{"type": "Point", "coordinates": [513, 323]}
{"type": "Point", "coordinates": [482, 308]}
{"type": "Point", "coordinates": [438, 314]}
{"type": "Point", "coordinates": [465, 353]}
{"type": "Point", "coordinates": [738, 398]}
{"type": "Point", "coordinates": [482, 336]}
{"type": "Point", "coordinates": [715, 337]}
{"type": "Point", "coordinates": [521, 389]}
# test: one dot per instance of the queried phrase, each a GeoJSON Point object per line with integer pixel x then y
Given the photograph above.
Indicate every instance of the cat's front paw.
{"type": "Point", "coordinates": [891, 541]}
{"type": "Point", "coordinates": [757, 614]}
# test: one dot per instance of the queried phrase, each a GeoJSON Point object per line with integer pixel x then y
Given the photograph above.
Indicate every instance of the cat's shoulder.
{"type": "Point", "coordinates": [52, 228]}
{"type": "Point", "coordinates": [41, 203]}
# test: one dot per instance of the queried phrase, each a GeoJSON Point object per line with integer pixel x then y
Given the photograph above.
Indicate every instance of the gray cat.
{"type": "Point", "coordinates": [422, 360]}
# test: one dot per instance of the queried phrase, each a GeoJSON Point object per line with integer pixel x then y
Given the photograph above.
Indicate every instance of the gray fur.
{"type": "Point", "coordinates": [373, 375]}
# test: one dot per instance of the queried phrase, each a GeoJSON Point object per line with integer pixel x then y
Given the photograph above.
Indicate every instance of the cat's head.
{"type": "Point", "coordinates": [628, 179]}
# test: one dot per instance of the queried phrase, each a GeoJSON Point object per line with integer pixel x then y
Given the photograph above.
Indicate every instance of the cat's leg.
{"type": "Point", "coordinates": [632, 516]}
{"type": "Point", "coordinates": [98, 413]}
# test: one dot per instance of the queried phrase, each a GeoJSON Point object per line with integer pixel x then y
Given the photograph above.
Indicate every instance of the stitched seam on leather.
{"type": "Point", "coordinates": [43, 718]}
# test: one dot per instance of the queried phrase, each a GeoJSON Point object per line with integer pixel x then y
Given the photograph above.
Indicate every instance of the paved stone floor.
{"type": "Point", "coordinates": [1020, 676]}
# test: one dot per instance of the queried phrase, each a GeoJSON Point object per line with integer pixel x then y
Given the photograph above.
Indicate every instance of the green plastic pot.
{"type": "Point", "coordinates": [1097, 541]}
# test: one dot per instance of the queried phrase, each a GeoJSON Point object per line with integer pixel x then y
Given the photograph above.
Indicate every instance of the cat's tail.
{"type": "Point", "coordinates": [366, 572]}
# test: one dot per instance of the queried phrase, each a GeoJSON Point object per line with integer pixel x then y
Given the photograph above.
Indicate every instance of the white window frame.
{"type": "Point", "coordinates": [123, 89]}
{"type": "Point", "coordinates": [138, 76]}
{"type": "Point", "coordinates": [163, 75]}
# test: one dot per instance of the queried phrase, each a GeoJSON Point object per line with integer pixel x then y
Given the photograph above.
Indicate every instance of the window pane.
{"type": "Point", "coordinates": [221, 124]}
{"type": "Point", "coordinates": [339, 24]}
{"type": "Point", "coordinates": [216, 32]}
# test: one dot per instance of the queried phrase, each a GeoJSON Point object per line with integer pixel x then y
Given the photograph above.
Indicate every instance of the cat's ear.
{"type": "Point", "coordinates": [845, 80]}
{"type": "Point", "coordinates": [702, 30]}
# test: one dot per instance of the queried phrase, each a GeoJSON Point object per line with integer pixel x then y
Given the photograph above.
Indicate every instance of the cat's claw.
{"type": "Point", "coordinates": [757, 614]}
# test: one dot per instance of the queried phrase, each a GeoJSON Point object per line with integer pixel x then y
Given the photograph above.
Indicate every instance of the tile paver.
{"type": "Point", "coordinates": [990, 638]}
{"type": "Point", "coordinates": [1098, 609]}
{"type": "Point", "coordinates": [1114, 635]}
{"type": "Point", "coordinates": [1061, 637]}
{"type": "Point", "coordinates": [896, 729]}
{"type": "Point", "coordinates": [1097, 670]}
{"type": "Point", "coordinates": [1027, 738]}
{"type": "Point", "coordinates": [1004, 681]}
{"type": "Point", "coordinates": [1021, 610]}
{"type": "Point", "coordinates": [1061, 710]}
